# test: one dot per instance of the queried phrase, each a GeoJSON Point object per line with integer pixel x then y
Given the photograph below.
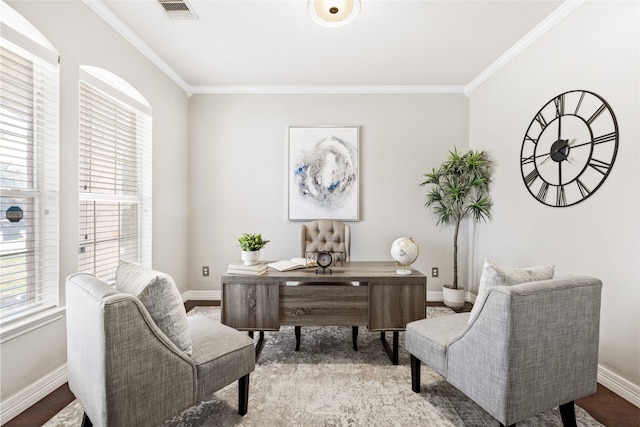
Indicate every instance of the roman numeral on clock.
{"type": "Point", "coordinates": [579, 103]}
{"type": "Point", "coordinates": [540, 119]}
{"type": "Point", "coordinates": [527, 160]}
{"type": "Point", "coordinates": [561, 197]}
{"type": "Point", "coordinates": [605, 138]}
{"type": "Point", "coordinates": [559, 101]}
{"type": "Point", "coordinates": [596, 114]}
{"type": "Point", "coordinates": [600, 166]}
{"type": "Point", "coordinates": [542, 192]}
{"type": "Point", "coordinates": [584, 190]}
{"type": "Point", "coordinates": [531, 177]}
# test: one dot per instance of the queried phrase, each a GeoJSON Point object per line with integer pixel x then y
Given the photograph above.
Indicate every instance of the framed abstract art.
{"type": "Point", "coordinates": [323, 173]}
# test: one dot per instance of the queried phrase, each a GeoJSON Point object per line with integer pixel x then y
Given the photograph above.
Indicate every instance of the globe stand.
{"type": "Point", "coordinates": [403, 271]}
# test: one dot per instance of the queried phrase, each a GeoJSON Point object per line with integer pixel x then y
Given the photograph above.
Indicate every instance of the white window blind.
{"type": "Point", "coordinates": [115, 180]}
{"type": "Point", "coordinates": [29, 178]}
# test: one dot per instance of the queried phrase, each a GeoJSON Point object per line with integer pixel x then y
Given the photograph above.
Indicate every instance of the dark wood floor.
{"type": "Point", "coordinates": [605, 406]}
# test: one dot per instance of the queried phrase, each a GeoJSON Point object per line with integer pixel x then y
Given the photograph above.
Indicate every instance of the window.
{"type": "Point", "coordinates": [115, 174]}
{"type": "Point", "coordinates": [29, 221]}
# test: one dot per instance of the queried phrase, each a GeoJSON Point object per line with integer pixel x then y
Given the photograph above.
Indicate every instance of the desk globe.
{"type": "Point", "coordinates": [405, 251]}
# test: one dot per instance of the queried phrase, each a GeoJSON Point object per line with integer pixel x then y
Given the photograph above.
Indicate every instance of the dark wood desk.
{"type": "Point", "coordinates": [384, 301]}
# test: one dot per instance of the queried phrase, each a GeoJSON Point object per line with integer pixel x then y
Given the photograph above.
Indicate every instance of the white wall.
{"type": "Point", "coordinates": [596, 48]}
{"type": "Point", "coordinates": [82, 38]}
{"type": "Point", "coordinates": [238, 173]}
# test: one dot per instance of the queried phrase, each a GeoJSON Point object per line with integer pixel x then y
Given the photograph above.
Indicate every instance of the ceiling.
{"type": "Point", "coordinates": [436, 45]}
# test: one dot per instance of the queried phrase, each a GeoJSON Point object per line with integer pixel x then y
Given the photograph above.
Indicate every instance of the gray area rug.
{"type": "Point", "coordinates": [328, 384]}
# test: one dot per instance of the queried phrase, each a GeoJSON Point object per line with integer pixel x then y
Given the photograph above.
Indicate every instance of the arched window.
{"type": "Point", "coordinates": [115, 174]}
{"type": "Point", "coordinates": [29, 176]}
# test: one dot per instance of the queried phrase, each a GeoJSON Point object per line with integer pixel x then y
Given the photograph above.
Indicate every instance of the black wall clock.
{"type": "Point", "coordinates": [569, 148]}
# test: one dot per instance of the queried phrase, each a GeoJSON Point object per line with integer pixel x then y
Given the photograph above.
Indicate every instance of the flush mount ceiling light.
{"type": "Point", "coordinates": [333, 13]}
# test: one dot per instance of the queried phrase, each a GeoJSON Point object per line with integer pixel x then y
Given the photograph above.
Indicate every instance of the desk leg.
{"type": "Point", "coordinates": [354, 337]}
{"type": "Point", "coordinates": [393, 353]}
{"type": "Point", "coordinates": [298, 332]}
{"type": "Point", "coordinates": [259, 344]}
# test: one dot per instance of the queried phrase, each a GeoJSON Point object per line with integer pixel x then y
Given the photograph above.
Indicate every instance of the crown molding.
{"type": "Point", "coordinates": [325, 90]}
{"type": "Point", "coordinates": [121, 28]}
{"type": "Point", "coordinates": [547, 24]}
{"type": "Point", "coordinates": [542, 28]}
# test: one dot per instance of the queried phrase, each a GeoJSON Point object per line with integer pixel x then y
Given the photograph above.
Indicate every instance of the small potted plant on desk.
{"type": "Point", "coordinates": [251, 245]}
{"type": "Point", "coordinates": [459, 187]}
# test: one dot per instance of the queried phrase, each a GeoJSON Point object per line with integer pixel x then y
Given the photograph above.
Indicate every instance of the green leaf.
{"type": "Point", "coordinates": [252, 242]}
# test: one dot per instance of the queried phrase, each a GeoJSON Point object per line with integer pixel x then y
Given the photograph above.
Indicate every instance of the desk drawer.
{"type": "Point", "coordinates": [323, 305]}
{"type": "Point", "coordinates": [250, 306]}
{"type": "Point", "coordinates": [391, 307]}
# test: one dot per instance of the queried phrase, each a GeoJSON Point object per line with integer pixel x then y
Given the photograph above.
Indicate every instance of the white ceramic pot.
{"type": "Point", "coordinates": [250, 257]}
{"type": "Point", "coordinates": [453, 298]}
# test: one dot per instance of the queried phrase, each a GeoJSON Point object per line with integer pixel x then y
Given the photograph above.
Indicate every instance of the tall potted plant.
{"type": "Point", "coordinates": [457, 189]}
{"type": "Point", "coordinates": [251, 245]}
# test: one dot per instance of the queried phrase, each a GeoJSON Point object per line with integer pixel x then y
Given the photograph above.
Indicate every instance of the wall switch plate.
{"type": "Point", "coordinates": [434, 271]}
{"type": "Point", "coordinates": [205, 271]}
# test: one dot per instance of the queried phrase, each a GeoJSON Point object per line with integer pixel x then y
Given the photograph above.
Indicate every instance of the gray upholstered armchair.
{"type": "Point", "coordinates": [126, 371]}
{"type": "Point", "coordinates": [532, 347]}
{"type": "Point", "coordinates": [332, 236]}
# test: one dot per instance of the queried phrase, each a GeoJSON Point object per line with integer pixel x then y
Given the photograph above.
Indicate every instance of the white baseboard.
{"type": "Point", "coordinates": [201, 296]}
{"type": "Point", "coordinates": [434, 296]}
{"type": "Point", "coordinates": [620, 386]}
{"type": "Point", "coordinates": [437, 297]}
{"type": "Point", "coordinates": [30, 395]}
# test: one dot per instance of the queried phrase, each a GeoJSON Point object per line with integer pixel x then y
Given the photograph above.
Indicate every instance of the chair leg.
{"type": "Point", "coordinates": [354, 337]}
{"type": "Point", "coordinates": [298, 331]}
{"type": "Point", "coordinates": [243, 395]}
{"type": "Point", "coordinates": [568, 414]}
{"type": "Point", "coordinates": [86, 422]}
{"type": "Point", "coordinates": [415, 374]}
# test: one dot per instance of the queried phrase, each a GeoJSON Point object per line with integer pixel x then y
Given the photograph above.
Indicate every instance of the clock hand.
{"type": "Point", "coordinates": [551, 154]}
{"type": "Point", "coordinates": [583, 144]}
{"type": "Point", "coordinates": [533, 157]}
{"type": "Point", "coordinates": [545, 160]}
{"type": "Point", "coordinates": [569, 144]}
{"type": "Point", "coordinates": [557, 150]}
{"type": "Point", "coordinates": [560, 173]}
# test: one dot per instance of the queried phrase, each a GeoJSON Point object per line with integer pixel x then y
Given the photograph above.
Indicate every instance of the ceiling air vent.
{"type": "Point", "coordinates": [178, 9]}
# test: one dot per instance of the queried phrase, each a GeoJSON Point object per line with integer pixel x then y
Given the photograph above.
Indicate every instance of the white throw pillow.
{"type": "Point", "coordinates": [159, 294]}
{"type": "Point", "coordinates": [495, 275]}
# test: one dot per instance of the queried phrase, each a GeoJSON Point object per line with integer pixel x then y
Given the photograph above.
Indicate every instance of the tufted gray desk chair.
{"type": "Point", "coordinates": [326, 235]}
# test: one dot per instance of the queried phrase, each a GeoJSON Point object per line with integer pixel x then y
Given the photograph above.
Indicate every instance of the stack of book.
{"type": "Point", "coordinates": [242, 268]}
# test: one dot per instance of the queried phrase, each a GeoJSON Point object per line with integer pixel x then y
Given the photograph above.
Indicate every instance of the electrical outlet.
{"type": "Point", "coordinates": [434, 271]}
{"type": "Point", "coordinates": [205, 271]}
